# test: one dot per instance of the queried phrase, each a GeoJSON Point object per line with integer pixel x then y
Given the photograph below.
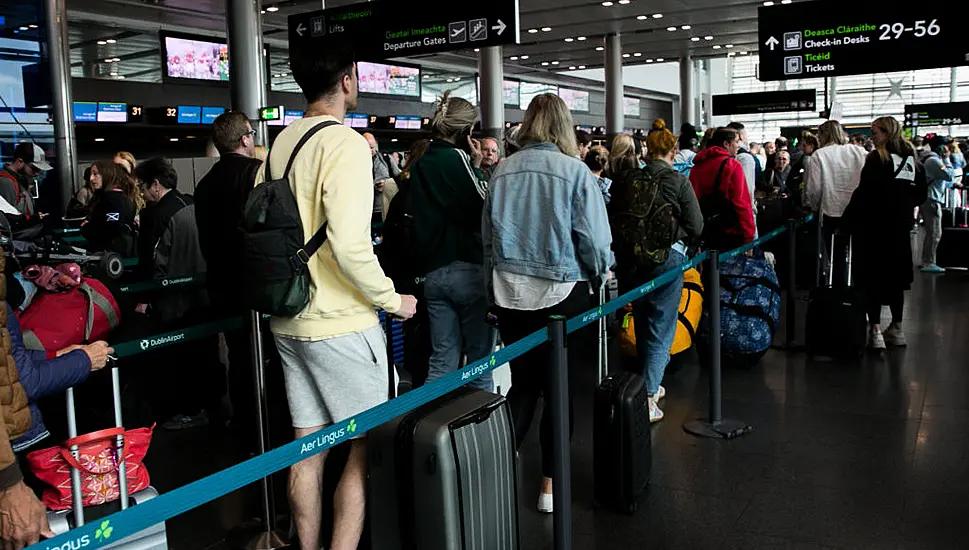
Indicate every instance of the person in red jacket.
{"type": "Point", "coordinates": [730, 224]}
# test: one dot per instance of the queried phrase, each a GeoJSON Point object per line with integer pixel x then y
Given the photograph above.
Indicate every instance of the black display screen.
{"type": "Point", "coordinates": [937, 114]}
{"type": "Point", "coordinates": [834, 38]}
{"type": "Point", "coordinates": [764, 102]}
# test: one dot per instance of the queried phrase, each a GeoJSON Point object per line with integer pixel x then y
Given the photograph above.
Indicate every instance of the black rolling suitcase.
{"type": "Point", "coordinates": [836, 325]}
{"type": "Point", "coordinates": [622, 441]}
{"type": "Point", "coordinates": [445, 476]}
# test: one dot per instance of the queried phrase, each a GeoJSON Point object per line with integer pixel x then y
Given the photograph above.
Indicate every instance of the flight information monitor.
{"type": "Point", "coordinates": [357, 120]}
{"type": "Point", "coordinates": [85, 111]}
{"type": "Point", "coordinates": [575, 100]}
{"type": "Point", "coordinates": [393, 80]}
{"type": "Point", "coordinates": [833, 38]}
{"type": "Point", "coordinates": [292, 116]}
{"type": "Point", "coordinates": [630, 106]}
{"type": "Point", "coordinates": [189, 114]}
{"type": "Point", "coordinates": [407, 123]}
{"type": "Point", "coordinates": [209, 114]}
{"type": "Point", "coordinates": [194, 57]}
{"type": "Point", "coordinates": [112, 112]}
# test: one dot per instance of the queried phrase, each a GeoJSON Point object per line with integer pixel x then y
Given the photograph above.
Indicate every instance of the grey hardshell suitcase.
{"type": "Point", "coordinates": [152, 538]}
{"type": "Point", "coordinates": [445, 476]}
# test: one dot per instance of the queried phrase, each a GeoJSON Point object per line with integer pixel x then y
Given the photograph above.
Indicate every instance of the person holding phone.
{"type": "Point", "coordinates": [448, 196]}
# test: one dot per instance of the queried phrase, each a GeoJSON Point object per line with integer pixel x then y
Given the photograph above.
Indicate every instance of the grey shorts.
{"type": "Point", "coordinates": [331, 380]}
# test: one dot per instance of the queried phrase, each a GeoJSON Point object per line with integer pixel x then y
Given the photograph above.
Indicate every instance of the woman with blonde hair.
{"type": "Point", "coordinates": [654, 314]}
{"type": "Point", "coordinates": [879, 219]}
{"type": "Point", "coordinates": [447, 194]}
{"type": "Point", "coordinates": [127, 161]}
{"type": "Point", "coordinates": [547, 252]}
{"type": "Point", "coordinates": [622, 156]}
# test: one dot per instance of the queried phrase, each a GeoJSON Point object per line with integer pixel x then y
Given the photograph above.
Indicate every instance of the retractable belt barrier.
{"type": "Point", "coordinates": [161, 284]}
{"type": "Point", "coordinates": [219, 484]}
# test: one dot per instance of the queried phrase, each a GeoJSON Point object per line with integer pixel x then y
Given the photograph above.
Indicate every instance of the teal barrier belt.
{"type": "Point", "coordinates": [172, 282]}
{"type": "Point", "coordinates": [73, 239]}
{"type": "Point", "coordinates": [166, 506]}
{"type": "Point", "coordinates": [157, 341]}
{"type": "Point", "coordinates": [66, 230]}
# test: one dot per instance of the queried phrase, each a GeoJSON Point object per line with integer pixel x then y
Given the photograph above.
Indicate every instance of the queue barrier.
{"type": "Point", "coordinates": [219, 484]}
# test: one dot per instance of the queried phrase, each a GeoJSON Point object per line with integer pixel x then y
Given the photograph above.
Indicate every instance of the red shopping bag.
{"type": "Point", "coordinates": [98, 463]}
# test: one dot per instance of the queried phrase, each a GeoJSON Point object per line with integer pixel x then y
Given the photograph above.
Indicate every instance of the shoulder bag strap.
{"type": "Point", "coordinates": [716, 182]}
{"type": "Point", "coordinates": [318, 238]}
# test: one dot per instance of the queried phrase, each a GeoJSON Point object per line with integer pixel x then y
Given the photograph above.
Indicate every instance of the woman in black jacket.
{"type": "Point", "coordinates": [111, 224]}
{"type": "Point", "coordinates": [879, 219]}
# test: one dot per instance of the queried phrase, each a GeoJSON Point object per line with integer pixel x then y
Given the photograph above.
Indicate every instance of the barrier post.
{"type": "Point", "coordinates": [715, 426]}
{"type": "Point", "coordinates": [791, 317]}
{"type": "Point", "coordinates": [267, 538]}
{"type": "Point", "coordinates": [561, 448]}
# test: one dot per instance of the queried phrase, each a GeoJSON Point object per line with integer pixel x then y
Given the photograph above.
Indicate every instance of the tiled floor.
{"type": "Point", "coordinates": [863, 456]}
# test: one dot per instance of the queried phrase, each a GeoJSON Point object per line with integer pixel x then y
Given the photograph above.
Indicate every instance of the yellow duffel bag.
{"type": "Point", "coordinates": [688, 318]}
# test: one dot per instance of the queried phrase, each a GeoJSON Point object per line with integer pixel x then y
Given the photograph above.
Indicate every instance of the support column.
{"type": "Point", "coordinates": [247, 67]}
{"type": "Point", "coordinates": [615, 117]}
{"type": "Point", "coordinates": [953, 92]}
{"type": "Point", "coordinates": [687, 91]}
{"type": "Point", "coordinates": [707, 94]}
{"type": "Point", "coordinates": [491, 95]}
{"type": "Point", "coordinates": [62, 111]}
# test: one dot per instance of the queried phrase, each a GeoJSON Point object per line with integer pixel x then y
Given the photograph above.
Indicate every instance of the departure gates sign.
{"type": "Point", "coordinates": [398, 28]}
{"type": "Point", "coordinates": [834, 38]}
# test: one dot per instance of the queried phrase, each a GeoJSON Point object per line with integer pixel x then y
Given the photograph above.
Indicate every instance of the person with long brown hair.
{"type": "Point", "coordinates": [547, 252]}
{"type": "Point", "coordinates": [110, 226]}
{"type": "Point", "coordinates": [879, 219]}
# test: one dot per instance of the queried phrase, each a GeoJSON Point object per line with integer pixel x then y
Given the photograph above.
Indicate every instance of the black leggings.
{"type": "Point", "coordinates": [894, 299]}
{"type": "Point", "coordinates": [530, 372]}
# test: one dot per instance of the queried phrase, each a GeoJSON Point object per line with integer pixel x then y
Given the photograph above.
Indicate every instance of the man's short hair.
{"type": "Point", "coordinates": [736, 126]}
{"type": "Point", "coordinates": [228, 129]}
{"type": "Point", "coordinates": [159, 169]}
{"type": "Point", "coordinates": [319, 71]}
{"type": "Point", "coordinates": [582, 137]}
{"type": "Point", "coordinates": [781, 142]}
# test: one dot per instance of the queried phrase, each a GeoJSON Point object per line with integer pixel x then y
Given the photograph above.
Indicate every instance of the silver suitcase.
{"type": "Point", "coordinates": [152, 538]}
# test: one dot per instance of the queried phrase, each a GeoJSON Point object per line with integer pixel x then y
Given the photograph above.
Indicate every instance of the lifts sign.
{"type": "Point", "coordinates": [834, 38]}
{"type": "Point", "coordinates": [382, 29]}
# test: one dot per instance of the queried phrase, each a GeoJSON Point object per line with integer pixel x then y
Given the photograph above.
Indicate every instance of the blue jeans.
{"type": "Point", "coordinates": [654, 317]}
{"type": "Point", "coordinates": [457, 306]}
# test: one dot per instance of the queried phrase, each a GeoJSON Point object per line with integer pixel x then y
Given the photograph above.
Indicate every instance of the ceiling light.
{"type": "Point", "coordinates": [99, 139]}
{"type": "Point", "coordinates": [686, 27]}
{"type": "Point", "coordinates": [272, 9]}
{"type": "Point", "coordinates": [23, 28]}
{"type": "Point", "coordinates": [111, 41]}
{"type": "Point", "coordinates": [101, 42]}
{"type": "Point", "coordinates": [785, 1]}
{"type": "Point", "coordinates": [671, 29]}
{"type": "Point", "coordinates": [659, 60]}
{"type": "Point", "coordinates": [457, 79]}
{"type": "Point", "coordinates": [120, 77]}
{"type": "Point", "coordinates": [581, 38]}
{"type": "Point", "coordinates": [524, 57]}
{"type": "Point", "coordinates": [514, 58]}
{"type": "Point", "coordinates": [393, 140]}
{"type": "Point", "coordinates": [476, 50]}
{"type": "Point", "coordinates": [572, 68]}
{"type": "Point", "coordinates": [599, 48]}
{"type": "Point", "coordinates": [544, 63]}
{"type": "Point", "coordinates": [532, 31]}
{"type": "Point", "coordinates": [729, 45]}
{"type": "Point", "coordinates": [743, 53]}
{"type": "Point", "coordinates": [607, 4]}
{"type": "Point", "coordinates": [172, 139]}
{"type": "Point", "coordinates": [708, 37]}
{"type": "Point", "coordinates": [546, 29]}
{"type": "Point", "coordinates": [637, 54]}
{"type": "Point", "coordinates": [657, 16]}
{"type": "Point", "coordinates": [731, 54]}
{"type": "Point", "coordinates": [109, 60]}
{"type": "Point", "coordinates": [450, 80]}
{"type": "Point", "coordinates": [284, 74]}
{"type": "Point", "coordinates": [262, 11]}
{"type": "Point", "coordinates": [649, 61]}
{"type": "Point", "coordinates": [642, 17]}
{"type": "Point", "coordinates": [117, 59]}
{"type": "Point", "coordinates": [555, 63]}
{"type": "Point", "coordinates": [695, 39]}
{"type": "Point", "coordinates": [32, 26]}
{"type": "Point", "coordinates": [569, 39]}
{"type": "Point", "coordinates": [625, 55]}
{"type": "Point", "coordinates": [581, 66]}
{"type": "Point", "coordinates": [768, 3]}
{"type": "Point", "coordinates": [716, 46]}
{"type": "Point", "coordinates": [624, 2]}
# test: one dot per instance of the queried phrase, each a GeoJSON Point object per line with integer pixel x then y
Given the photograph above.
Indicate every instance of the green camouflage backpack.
{"type": "Point", "coordinates": [643, 223]}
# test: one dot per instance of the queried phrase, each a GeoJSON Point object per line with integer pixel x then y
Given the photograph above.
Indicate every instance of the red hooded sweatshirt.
{"type": "Point", "coordinates": [733, 183]}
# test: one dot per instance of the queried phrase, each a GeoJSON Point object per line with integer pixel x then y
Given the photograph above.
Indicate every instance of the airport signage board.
{"type": "Point", "coordinates": [399, 28]}
{"type": "Point", "coordinates": [764, 102]}
{"type": "Point", "coordinates": [937, 114]}
{"type": "Point", "coordinates": [834, 38]}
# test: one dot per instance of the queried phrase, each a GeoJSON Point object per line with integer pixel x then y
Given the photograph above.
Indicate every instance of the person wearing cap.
{"type": "Point", "coordinates": [18, 178]}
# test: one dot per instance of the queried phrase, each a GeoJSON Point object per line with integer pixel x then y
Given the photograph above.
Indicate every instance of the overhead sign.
{"type": "Point", "coordinates": [834, 38]}
{"type": "Point", "coordinates": [937, 114]}
{"type": "Point", "coordinates": [384, 28]}
{"type": "Point", "coordinates": [764, 102]}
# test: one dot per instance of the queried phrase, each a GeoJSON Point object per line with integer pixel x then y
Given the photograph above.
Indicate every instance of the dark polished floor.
{"type": "Point", "coordinates": [874, 455]}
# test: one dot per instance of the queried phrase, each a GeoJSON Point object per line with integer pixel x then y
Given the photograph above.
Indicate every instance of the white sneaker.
{"type": "Point", "coordinates": [895, 336]}
{"type": "Point", "coordinates": [545, 503]}
{"type": "Point", "coordinates": [660, 393]}
{"type": "Point", "coordinates": [876, 341]}
{"type": "Point", "coordinates": [655, 413]}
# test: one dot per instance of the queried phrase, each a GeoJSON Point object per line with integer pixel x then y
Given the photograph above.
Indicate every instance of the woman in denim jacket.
{"type": "Point", "coordinates": [547, 252]}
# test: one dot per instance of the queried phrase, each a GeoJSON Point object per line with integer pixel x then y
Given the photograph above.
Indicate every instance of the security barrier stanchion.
{"type": "Point", "coordinates": [561, 448]}
{"type": "Point", "coordinates": [790, 322]}
{"type": "Point", "coordinates": [715, 426]}
{"type": "Point", "coordinates": [267, 539]}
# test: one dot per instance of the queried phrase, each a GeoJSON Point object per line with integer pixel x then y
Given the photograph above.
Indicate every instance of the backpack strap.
{"type": "Point", "coordinates": [299, 145]}
{"type": "Point", "coordinates": [96, 299]}
{"type": "Point", "coordinates": [716, 182]}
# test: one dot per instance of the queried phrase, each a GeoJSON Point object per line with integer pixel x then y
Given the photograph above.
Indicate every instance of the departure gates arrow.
{"type": "Point", "coordinates": [300, 29]}
{"type": "Point", "coordinates": [500, 27]}
{"type": "Point", "coordinates": [772, 42]}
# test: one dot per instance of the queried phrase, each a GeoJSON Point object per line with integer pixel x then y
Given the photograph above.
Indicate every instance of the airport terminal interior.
{"type": "Point", "coordinates": [789, 416]}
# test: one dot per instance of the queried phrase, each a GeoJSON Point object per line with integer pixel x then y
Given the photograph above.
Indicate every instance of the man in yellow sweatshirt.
{"type": "Point", "coordinates": [333, 353]}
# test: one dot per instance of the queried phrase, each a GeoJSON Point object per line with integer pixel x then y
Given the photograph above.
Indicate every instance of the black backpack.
{"type": "Point", "coordinates": [274, 259]}
{"type": "Point", "coordinates": [719, 215]}
{"type": "Point", "coordinates": [645, 226]}
{"type": "Point", "coordinates": [398, 250]}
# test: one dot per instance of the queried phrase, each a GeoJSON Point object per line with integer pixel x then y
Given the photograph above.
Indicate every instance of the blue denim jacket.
{"type": "Point", "coordinates": [545, 216]}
